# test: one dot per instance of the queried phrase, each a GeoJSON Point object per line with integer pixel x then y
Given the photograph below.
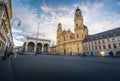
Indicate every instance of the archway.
{"type": "Point", "coordinates": [39, 48]}
{"type": "Point", "coordinates": [118, 53]}
{"type": "Point", "coordinates": [31, 46]}
{"type": "Point", "coordinates": [64, 51]}
{"type": "Point", "coordinates": [46, 46]}
{"type": "Point", "coordinates": [102, 53]}
{"type": "Point", "coordinates": [111, 53]}
{"type": "Point", "coordinates": [92, 54]}
{"type": "Point", "coordinates": [97, 54]}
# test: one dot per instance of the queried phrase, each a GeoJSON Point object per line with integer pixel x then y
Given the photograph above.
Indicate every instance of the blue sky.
{"type": "Point", "coordinates": [99, 15]}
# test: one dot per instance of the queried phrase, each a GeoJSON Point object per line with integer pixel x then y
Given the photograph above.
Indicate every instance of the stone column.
{"type": "Point", "coordinates": [26, 47]}
{"type": "Point", "coordinates": [48, 49]}
{"type": "Point", "coordinates": [35, 48]}
{"type": "Point", "coordinates": [42, 48]}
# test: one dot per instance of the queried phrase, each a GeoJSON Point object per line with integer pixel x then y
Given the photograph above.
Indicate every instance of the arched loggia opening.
{"type": "Point", "coordinates": [39, 48]}
{"type": "Point", "coordinates": [31, 46]}
{"type": "Point", "coordinates": [111, 53]}
{"type": "Point", "coordinates": [97, 54]}
{"type": "Point", "coordinates": [118, 53]}
{"type": "Point", "coordinates": [46, 46]}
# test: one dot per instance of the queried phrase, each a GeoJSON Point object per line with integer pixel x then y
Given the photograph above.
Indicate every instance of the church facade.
{"type": "Point", "coordinates": [69, 42]}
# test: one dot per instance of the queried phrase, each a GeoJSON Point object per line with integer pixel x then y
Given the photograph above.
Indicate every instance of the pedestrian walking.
{"type": "Point", "coordinates": [5, 56]}
{"type": "Point", "coordinates": [15, 55]}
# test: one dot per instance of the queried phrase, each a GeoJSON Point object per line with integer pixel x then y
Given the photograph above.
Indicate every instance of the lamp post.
{"type": "Point", "coordinates": [19, 21]}
{"type": "Point", "coordinates": [9, 43]}
{"type": "Point", "coordinates": [10, 36]}
{"type": "Point", "coordinates": [35, 48]}
{"type": "Point", "coordinates": [38, 30]}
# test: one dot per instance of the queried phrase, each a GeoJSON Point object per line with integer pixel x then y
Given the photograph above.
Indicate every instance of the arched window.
{"type": "Point", "coordinates": [77, 35]}
{"type": "Point", "coordinates": [76, 25]}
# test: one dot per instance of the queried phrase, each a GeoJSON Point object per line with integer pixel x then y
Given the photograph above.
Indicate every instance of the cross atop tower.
{"type": "Point", "coordinates": [77, 7]}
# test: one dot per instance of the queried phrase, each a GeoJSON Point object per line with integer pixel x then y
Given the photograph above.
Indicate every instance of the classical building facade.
{"type": "Point", "coordinates": [53, 50]}
{"type": "Point", "coordinates": [5, 17]}
{"type": "Point", "coordinates": [103, 44]}
{"type": "Point", "coordinates": [33, 45]}
{"type": "Point", "coordinates": [69, 42]}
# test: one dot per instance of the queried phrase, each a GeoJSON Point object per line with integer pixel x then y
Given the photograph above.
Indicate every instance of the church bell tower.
{"type": "Point", "coordinates": [78, 23]}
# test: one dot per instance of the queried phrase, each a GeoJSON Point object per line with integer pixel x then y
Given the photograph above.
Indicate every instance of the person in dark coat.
{"type": "Point", "coordinates": [5, 54]}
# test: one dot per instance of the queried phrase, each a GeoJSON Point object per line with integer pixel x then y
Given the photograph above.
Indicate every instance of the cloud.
{"type": "Point", "coordinates": [103, 22]}
{"type": "Point", "coordinates": [28, 18]}
{"type": "Point", "coordinates": [118, 3]}
{"type": "Point", "coordinates": [17, 43]}
{"type": "Point", "coordinates": [49, 16]}
{"type": "Point", "coordinates": [100, 26]}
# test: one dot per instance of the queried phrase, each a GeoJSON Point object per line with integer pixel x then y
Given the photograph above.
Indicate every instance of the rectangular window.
{"type": "Point", "coordinates": [99, 42]}
{"type": "Point", "coordinates": [99, 47]}
{"type": "Point", "coordinates": [113, 39]}
{"type": "Point", "coordinates": [108, 40]}
{"type": "Point", "coordinates": [109, 46]}
{"type": "Point", "coordinates": [119, 39]}
{"type": "Point", "coordinates": [95, 47]}
{"type": "Point", "coordinates": [95, 42]}
{"type": "Point", "coordinates": [104, 47]}
{"type": "Point", "coordinates": [103, 41]}
{"type": "Point", "coordinates": [78, 49]}
{"type": "Point", "coordinates": [84, 48]}
{"type": "Point", "coordinates": [92, 47]}
{"type": "Point", "coordinates": [114, 46]}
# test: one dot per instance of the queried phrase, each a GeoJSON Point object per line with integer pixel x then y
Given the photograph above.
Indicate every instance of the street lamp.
{"type": "Point", "coordinates": [37, 37]}
{"type": "Point", "coordinates": [9, 43]}
{"type": "Point", "coordinates": [10, 32]}
{"type": "Point", "coordinates": [38, 30]}
{"type": "Point", "coordinates": [19, 21]}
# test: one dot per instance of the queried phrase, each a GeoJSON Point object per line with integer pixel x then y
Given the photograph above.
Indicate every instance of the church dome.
{"type": "Point", "coordinates": [78, 9]}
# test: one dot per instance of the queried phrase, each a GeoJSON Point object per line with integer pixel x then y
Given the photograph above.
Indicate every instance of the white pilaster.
{"type": "Point", "coordinates": [42, 48]}
{"type": "Point", "coordinates": [26, 47]}
{"type": "Point", "coordinates": [35, 47]}
{"type": "Point", "coordinates": [48, 49]}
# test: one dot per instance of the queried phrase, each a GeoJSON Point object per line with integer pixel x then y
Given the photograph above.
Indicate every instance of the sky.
{"type": "Point", "coordinates": [44, 16]}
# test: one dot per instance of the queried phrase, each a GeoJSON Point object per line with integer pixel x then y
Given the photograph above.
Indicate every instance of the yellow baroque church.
{"type": "Point", "coordinates": [69, 42]}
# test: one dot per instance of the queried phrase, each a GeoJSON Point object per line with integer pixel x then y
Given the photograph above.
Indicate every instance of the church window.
{"type": "Point", "coordinates": [76, 25]}
{"type": "Point", "coordinates": [77, 35]}
{"type": "Point", "coordinates": [78, 49]}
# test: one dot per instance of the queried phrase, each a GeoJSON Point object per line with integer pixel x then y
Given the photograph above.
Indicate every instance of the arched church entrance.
{"type": "Point", "coordinates": [31, 46]}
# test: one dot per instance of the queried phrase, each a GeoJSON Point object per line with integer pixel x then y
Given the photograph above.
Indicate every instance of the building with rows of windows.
{"type": "Point", "coordinates": [103, 44]}
{"type": "Point", "coordinates": [5, 17]}
{"type": "Point", "coordinates": [100, 44]}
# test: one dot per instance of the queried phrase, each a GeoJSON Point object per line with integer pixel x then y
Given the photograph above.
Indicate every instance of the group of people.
{"type": "Point", "coordinates": [7, 54]}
